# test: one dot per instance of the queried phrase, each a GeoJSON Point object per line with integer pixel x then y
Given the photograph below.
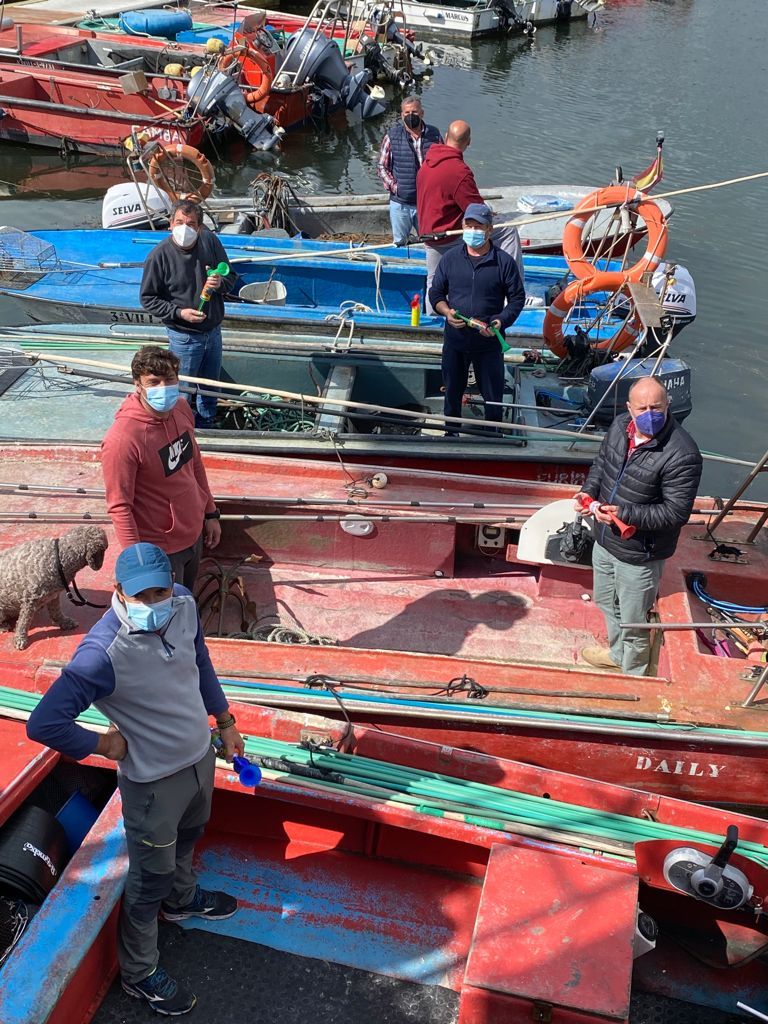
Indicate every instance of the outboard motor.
{"type": "Point", "coordinates": [674, 374]}
{"type": "Point", "coordinates": [210, 93]}
{"type": "Point", "coordinates": [320, 61]}
{"type": "Point", "coordinates": [509, 17]}
{"type": "Point", "coordinates": [380, 67]}
{"type": "Point", "coordinates": [421, 62]}
{"type": "Point", "coordinates": [126, 205]}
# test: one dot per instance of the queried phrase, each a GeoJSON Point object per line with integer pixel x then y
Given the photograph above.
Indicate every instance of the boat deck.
{"type": "Point", "coordinates": [416, 610]}
{"type": "Point", "coordinates": [413, 587]}
{"type": "Point", "coordinates": [287, 988]}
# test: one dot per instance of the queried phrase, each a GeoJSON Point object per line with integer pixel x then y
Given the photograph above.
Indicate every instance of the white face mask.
{"type": "Point", "coordinates": [184, 235]}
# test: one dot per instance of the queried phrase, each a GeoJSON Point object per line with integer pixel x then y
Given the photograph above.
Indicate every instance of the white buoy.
{"type": "Point", "coordinates": [379, 480]}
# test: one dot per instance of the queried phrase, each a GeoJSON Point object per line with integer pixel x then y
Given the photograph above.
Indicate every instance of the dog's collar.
{"type": "Point", "coordinates": [74, 594]}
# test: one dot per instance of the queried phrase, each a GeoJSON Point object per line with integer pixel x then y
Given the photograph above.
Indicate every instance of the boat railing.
{"type": "Point", "coordinates": [19, 43]}
{"type": "Point", "coordinates": [735, 505]}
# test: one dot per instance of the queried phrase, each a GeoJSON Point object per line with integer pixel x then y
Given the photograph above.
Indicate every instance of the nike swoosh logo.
{"type": "Point", "coordinates": [173, 460]}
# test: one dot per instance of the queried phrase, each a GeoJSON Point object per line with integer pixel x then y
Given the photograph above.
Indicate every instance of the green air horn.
{"type": "Point", "coordinates": [222, 270]}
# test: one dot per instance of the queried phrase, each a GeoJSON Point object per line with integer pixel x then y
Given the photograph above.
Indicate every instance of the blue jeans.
{"type": "Point", "coordinates": [402, 218]}
{"type": "Point", "coordinates": [200, 356]}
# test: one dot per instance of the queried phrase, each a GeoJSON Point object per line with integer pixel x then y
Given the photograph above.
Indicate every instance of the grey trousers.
{"type": "Point", "coordinates": [163, 821]}
{"type": "Point", "coordinates": [186, 563]}
{"type": "Point", "coordinates": [625, 593]}
{"type": "Point", "coordinates": [507, 239]}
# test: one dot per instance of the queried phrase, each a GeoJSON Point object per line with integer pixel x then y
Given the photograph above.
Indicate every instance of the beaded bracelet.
{"type": "Point", "coordinates": [227, 723]}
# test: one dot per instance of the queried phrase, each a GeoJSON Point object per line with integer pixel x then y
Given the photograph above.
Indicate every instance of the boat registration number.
{"type": "Point", "coordinates": [126, 316]}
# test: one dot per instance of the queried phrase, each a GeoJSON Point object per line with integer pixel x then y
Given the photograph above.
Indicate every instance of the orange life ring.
{"type": "Point", "coordinates": [616, 195]}
{"type": "Point", "coordinates": [160, 178]}
{"type": "Point", "coordinates": [256, 70]}
{"type": "Point", "coordinates": [603, 281]}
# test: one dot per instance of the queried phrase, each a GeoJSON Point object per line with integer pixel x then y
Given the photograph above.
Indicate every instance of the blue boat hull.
{"type": "Point", "coordinates": [93, 276]}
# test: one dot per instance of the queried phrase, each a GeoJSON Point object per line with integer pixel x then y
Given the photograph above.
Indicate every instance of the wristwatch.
{"type": "Point", "coordinates": [216, 514]}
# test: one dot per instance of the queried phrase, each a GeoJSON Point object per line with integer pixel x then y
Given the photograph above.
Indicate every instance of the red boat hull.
{"type": "Point", "coordinates": [413, 611]}
{"type": "Point", "coordinates": [520, 926]}
{"type": "Point", "coordinates": [84, 112]}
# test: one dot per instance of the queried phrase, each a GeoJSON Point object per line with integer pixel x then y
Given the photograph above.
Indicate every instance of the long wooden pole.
{"type": "Point", "coordinates": [343, 403]}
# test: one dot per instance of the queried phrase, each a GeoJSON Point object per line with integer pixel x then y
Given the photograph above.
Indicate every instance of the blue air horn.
{"type": "Point", "coordinates": [248, 774]}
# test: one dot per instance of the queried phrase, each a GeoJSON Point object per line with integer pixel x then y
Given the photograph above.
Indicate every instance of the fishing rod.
{"type": "Point", "coordinates": [298, 343]}
{"type": "Point", "coordinates": [73, 517]}
{"type": "Point", "coordinates": [9, 487]}
{"type": "Point", "coordinates": [433, 706]}
{"type": "Point", "coordinates": [343, 403]}
{"type": "Point", "coordinates": [425, 418]}
{"type": "Point", "coordinates": [361, 250]}
{"type": "Point", "coordinates": [467, 429]}
{"type": "Point", "coordinates": [560, 214]}
{"type": "Point", "coordinates": [721, 624]}
{"type": "Point", "coordinates": [516, 223]}
{"type": "Point", "coordinates": [461, 686]}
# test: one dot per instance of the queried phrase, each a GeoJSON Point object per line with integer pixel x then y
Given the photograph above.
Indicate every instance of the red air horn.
{"type": "Point", "coordinates": [625, 530]}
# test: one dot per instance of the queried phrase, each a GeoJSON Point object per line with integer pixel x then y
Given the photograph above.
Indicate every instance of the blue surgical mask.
{"type": "Point", "coordinates": [149, 617]}
{"type": "Point", "coordinates": [474, 237]}
{"type": "Point", "coordinates": [651, 422]}
{"type": "Point", "coordinates": [162, 397]}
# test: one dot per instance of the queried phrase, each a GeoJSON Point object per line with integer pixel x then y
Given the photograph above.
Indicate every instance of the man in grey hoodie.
{"type": "Point", "coordinates": [143, 664]}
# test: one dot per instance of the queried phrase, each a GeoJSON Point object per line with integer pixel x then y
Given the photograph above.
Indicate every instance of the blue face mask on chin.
{"type": "Point", "coordinates": [651, 422]}
{"type": "Point", "coordinates": [474, 237]}
{"type": "Point", "coordinates": [162, 397]}
{"type": "Point", "coordinates": [149, 617]}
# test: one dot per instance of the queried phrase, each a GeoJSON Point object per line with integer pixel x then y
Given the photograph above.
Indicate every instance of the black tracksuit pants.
{"type": "Point", "coordinates": [489, 374]}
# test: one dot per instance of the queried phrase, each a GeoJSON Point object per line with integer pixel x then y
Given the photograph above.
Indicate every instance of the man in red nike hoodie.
{"type": "Point", "coordinates": [157, 490]}
{"type": "Point", "coordinates": [445, 187]}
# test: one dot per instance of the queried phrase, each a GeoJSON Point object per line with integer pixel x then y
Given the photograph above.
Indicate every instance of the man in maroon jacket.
{"type": "Point", "coordinates": [445, 187]}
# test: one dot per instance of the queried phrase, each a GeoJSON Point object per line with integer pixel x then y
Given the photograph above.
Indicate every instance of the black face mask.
{"type": "Point", "coordinates": [412, 121]}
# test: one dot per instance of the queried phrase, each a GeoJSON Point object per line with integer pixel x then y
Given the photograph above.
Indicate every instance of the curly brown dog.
{"type": "Point", "coordinates": [31, 577]}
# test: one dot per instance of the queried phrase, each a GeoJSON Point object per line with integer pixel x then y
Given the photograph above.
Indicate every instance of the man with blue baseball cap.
{"type": "Point", "coordinates": [482, 283]}
{"type": "Point", "coordinates": [146, 667]}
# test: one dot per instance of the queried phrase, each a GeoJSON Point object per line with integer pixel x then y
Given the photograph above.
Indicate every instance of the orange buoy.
{"type": "Point", "coordinates": [616, 195]}
{"type": "Point", "coordinates": [162, 176]}
{"type": "Point", "coordinates": [256, 70]}
{"type": "Point", "coordinates": [602, 281]}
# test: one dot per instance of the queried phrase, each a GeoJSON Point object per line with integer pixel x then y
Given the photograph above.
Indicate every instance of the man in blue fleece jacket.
{"type": "Point", "coordinates": [479, 281]}
{"type": "Point", "coordinates": [146, 667]}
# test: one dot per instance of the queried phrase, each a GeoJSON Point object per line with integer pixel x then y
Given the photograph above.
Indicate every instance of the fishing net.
{"type": "Point", "coordinates": [24, 258]}
{"type": "Point", "coordinates": [268, 418]}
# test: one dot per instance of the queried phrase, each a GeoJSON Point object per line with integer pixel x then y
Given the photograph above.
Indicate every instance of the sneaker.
{"type": "Point", "coordinates": [599, 657]}
{"type": "Point", "coordinates": [215, 906]}
{"type": "Point", "coordinates": [162, 992]}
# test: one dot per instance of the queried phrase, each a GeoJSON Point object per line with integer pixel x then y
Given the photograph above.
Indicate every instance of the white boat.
{"type": "Point", "coordinates": [471, 19]}
{"type": "Point", "coordinates": [323, 216]}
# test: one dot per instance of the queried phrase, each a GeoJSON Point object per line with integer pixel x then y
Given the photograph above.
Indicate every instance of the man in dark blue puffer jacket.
{"type": "Point", "coordinates": [402, 153]}
{"type": "Point", "coordinates": [646, 473]}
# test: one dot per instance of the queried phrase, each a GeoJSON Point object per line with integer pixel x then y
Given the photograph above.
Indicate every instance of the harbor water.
{"type": "Point", "coordinates": [566, 108]}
